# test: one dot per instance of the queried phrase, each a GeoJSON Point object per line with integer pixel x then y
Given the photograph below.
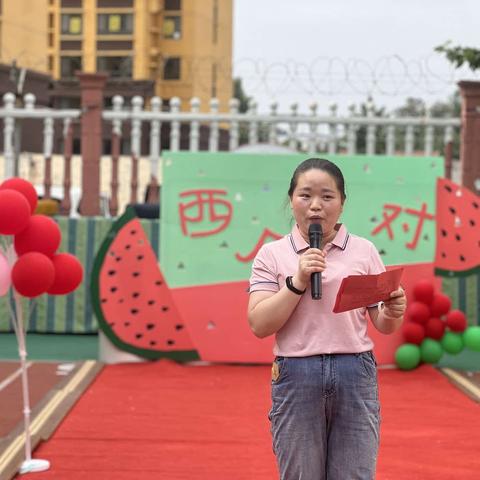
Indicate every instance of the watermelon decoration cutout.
{"type": "Point", "coordinates": [457, 251]}
{"type": "Point", "coordinates": [131, 298]}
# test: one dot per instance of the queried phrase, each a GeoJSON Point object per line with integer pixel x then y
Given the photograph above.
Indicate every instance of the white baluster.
{"type": "Point", "coordinates": [155, 127]}
{"type": "Point", "coordinates": [272, 127]}
{"type": "Point", "coordinates": [429, 134]}
{"type": "Point", "coordinates": [48, 137]}
{"type": "Point", "coordinates": [253, 126]}
{"type": "Point", "coordinates": [136, 132]}
{"type": "Point", "coordinates": [8, 131]}
{"type": "Point", "coordinates": [390, 139]}
{"type": "Point", "coordinates": [371, 129]}
{"type": "Point", "coordinates": [213, 139]}
{"type": "Point", "coordinates": [234, 105]}
{"type": "Point", "coordinates": [332, 132]}
{"type": "Point", "coordinates": [448, 134]}
{"type": "Point", "coordinates": [409, 139]}
{"type": "Point", "coordinates": [194, 125]}
{"type": "Point", "coordinates": [175, 125]}
{"type": "Point", "coordinates": [117, 102]}
{"type": "Point", "coordinates": [352, 133]}
{"type": "Point", "coordinates": [312, 135]}
{"type": "Point", "coordinates": [29, 101]}
{"type": "Point", "coordinates": [293, 128]}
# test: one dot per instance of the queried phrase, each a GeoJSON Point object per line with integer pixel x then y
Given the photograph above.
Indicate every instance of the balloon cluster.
{"type": "Point", "coordinates": [432, 328]}
{"type": "Point", "coordinates": [36, 268]}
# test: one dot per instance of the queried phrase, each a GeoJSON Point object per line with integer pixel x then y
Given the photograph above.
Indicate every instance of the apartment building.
{"type": "Point", "coordinates": [183, 46]}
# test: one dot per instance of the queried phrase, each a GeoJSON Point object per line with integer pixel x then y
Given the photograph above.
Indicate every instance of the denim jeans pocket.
{"type": "Point", "coordinates": [369, 364]}
{"type": "Point", "coordinates": [278, 370]}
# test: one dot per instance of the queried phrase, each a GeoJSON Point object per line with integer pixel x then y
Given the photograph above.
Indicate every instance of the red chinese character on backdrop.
{"type": "Point", "coordinates": [388, 219]}
{"type": "Point", "coordinates": [266, 234]}
{"type": "Point", "coordinates": [203, 199]}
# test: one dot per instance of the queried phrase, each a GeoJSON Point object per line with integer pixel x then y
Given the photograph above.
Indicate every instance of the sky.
{"type": "Point", "coordinates": [341, 51]}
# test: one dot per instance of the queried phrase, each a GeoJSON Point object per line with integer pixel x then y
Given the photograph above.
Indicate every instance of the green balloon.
{"type": "Point", "coordinates": [452, 342]}
{"type": "Point", "coordinates": [431, 351]}
{"type": "Point", "coordinates": [407, 356]}
{"type": "Point", "coordinates": [471, 337]}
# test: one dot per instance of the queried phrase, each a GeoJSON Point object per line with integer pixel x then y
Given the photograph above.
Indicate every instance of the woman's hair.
{"type": "Point", "coordinates": [324, 165]}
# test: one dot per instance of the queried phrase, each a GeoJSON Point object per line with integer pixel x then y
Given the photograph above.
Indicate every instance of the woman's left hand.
{"type": "Point", "coordinates": [396, 305]}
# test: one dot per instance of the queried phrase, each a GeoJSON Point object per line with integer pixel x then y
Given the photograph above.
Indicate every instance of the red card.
{"type": "Point", "coordinates": [358, 291]}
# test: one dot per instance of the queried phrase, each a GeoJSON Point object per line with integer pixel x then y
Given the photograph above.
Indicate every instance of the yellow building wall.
{"type": "Point", "coordinates": [24, 33]}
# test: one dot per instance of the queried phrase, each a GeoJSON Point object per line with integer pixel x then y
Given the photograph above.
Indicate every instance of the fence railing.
{"type": "Point", "coordinates": [194, 130]}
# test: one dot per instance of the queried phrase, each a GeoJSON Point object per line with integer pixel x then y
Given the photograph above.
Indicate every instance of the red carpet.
{"type": "Point", "coordinates": [166, 421]}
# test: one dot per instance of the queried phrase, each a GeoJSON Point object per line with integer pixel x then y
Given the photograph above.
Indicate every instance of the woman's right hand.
{"type": "Point", "coordinates": [311, 261]}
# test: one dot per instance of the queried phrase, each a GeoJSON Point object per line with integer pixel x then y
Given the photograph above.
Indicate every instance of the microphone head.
{"type": "Point", "coordinates": [315, 229]}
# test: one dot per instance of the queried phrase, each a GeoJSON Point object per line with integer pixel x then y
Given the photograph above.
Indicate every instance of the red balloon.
{"type": "Point", "coordinates": [456, 321]}
{"type": "Point", "coordinates": [418, 312]}
{"type": "Point", "coordinates": [32, 274]}
{"type": "Point", "coordinates": [423, 291]}
{"type": "Point", "coordinates": [413, 333]}
{"type": "Point", "coordinates": [42, 234]}
{"type": "Point", "coordinates": [440, 305]}
{"type": "Point", "coordinates": [14, 212]}
{"type": "Point", "coordinates": [435, 328]}
{"type": "Point", "coordinates": [25, 188]}
{"type": "Point", "coordinates": [68, 274]}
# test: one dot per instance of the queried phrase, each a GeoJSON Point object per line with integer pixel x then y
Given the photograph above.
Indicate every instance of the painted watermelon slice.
{"type": "Point", "coordinates": [458, 230]}
{"type": "Point", "coordinates": [131, 299]}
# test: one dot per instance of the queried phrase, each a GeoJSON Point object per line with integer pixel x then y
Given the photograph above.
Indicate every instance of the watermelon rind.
{"type": "Point", "coordinates": [153, 354]}
{"type": "Point", "coordinates": [457, 273]}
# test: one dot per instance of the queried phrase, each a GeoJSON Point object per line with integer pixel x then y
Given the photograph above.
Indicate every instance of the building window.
{"type": "Point", "coordinates": [117, 67]}
{"type": "Point", "coordinates": [171, 69]}
{"type": "Point", "coordinates": [72, 24]}
{"type": "Point", "coordinates": [173, 5]}
{"type": "Point", "coordinates": [69, 65]}
{"type": "Point", "coordinates": [172, 27]}
{"type": "Point", "coordinates": [115, 23]}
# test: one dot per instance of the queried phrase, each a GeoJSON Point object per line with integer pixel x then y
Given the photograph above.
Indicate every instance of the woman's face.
{"type": "Point", "coordinates": [316, 199]}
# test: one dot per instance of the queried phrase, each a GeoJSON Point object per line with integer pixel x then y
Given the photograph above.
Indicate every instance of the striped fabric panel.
{"type": "Point", "coordinates": [465, 295]}
{"type": "Point", "coordinates": [73, 313]}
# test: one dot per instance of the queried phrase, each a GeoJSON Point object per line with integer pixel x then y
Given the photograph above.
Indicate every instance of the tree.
{"type": "Point", "coordinates": [240, 95]}
{"type": "Point", "coordinates": [460, 55]}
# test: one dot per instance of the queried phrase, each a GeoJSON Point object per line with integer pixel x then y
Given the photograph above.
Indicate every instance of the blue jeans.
{"type": "Point", "coordinates": [325, 417]}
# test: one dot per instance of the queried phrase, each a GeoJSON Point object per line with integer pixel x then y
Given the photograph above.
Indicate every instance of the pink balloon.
{"type": "Point", "coordinates": [5, 276]}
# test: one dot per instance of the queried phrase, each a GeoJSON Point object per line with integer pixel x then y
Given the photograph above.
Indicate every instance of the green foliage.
{"type": "Point", "coordinates": [239, 93]}
{"type": "Point", "coordinates": [460, 55]}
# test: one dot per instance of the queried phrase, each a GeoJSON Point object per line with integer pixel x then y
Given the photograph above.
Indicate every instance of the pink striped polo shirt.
{"type": "Point", "coordinates": [313, 328]}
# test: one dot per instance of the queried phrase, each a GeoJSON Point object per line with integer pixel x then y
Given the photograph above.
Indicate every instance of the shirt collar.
{"type": "Point", "coordinates": [299, 244]}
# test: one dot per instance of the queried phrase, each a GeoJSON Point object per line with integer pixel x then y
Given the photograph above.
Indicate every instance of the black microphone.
{"type": "Point", "coordinates": [315, 234]}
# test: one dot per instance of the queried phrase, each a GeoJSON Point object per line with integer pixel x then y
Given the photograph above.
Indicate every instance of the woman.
{"type": "Point", "coordinates": [325, 411]}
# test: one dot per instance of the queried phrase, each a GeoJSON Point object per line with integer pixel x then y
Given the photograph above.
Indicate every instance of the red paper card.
{"type": "Point", "coordinates": [358, 291]}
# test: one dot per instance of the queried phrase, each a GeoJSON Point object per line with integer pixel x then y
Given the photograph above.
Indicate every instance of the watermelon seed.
{"type": "Point", "coordinates": [180, 265]}
{"type": "Point", "coordinates": [133, 232]}
{"type": "Point", "coordinates": [151, 302]}
{"type": "Point", "coordinates": [475, 205]}
{"type": "Point", "coordinates": [112, 272]}
{"type": "Point", "coordinates": [113, 289]}
{"type": "Point", "coordinates": [104, 300]}
{"type": "Point", "coordinates": [426, 237]}
{"type": "Point", "coordinates": [112, 324]}
{"type": "Point", "coordinates": [382, 252]}
{"type": "Point", "coordinates": [139, 257]}
{"type": "Point", "coordinates": [135, 294]}
{"type": "Point", "coordinates": [448, 188]}
{"type": "Point", "coordinates": [170, 342]}
{"type": "Point", "coordinates": [444, 255]}
{"type": "Point", "coordinates": [374, 219]}
{"type": "Point", "coordinates": [138, 335]}
{"type": "Point", "coordinates": [150, 326]}
{"type": "Point", "coordinates": [121, 300]}
{"type": "Point", "coordinates": [462, 258]}
{"type": "Point", "coordinates": [452, 210]}
{"type": "Point", "coordinates": [224, 244]}
{"type": "Point", "coordinates": [444, 232]}
{"type": "Point", "coordinates": [112, 253]}
{"type": "Point", "coordinates": [472, 223]}
{"type": "Point", "coordinates": [136, 274]}
{"type": "Point", "coordinates": [128, 247]}
{"type": "Point", "coordinates": [457, 237]}
{"type": "Point", "coordinates": [134, 311]}
{"type": "Point", "coordinates": [164, 308]}
{"type": "Point", "coordinates": [126, 324]}
{"type": "Point", "coordinates": [158, 282]}
{"type": "Point", "coordinates": [153, 343]}
{"type": "Point", "coordinates": [118, 259]}
{"type": "Point", "coordinates": [178, 327]}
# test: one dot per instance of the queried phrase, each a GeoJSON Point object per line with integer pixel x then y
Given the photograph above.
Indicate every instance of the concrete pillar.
{"type": "Point", "coordinates": [470, 135]}
{"type": "Point", "coordinates": [91, 86]}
